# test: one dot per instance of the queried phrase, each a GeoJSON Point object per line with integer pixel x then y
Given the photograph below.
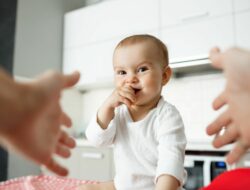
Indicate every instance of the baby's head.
{"type": "Point", "coordinates": [149, 41]}
{"type": "Point", "coordinates": [141, 62]}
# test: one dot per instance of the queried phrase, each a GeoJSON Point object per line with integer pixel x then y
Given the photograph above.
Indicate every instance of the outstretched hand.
{"type": "Point", "coordinates": [36, 128]}
{"type": "Point", "coordinates": [235, 120]}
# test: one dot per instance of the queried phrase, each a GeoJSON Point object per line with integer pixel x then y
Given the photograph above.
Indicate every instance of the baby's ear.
{"type": "Point", "coordinates": [166, 75]}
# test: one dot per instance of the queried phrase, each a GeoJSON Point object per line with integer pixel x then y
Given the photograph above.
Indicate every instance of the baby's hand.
{"type": "Point", "coordinates": [122, 95]}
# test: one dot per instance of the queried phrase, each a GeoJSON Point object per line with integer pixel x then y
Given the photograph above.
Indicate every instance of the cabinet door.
{"type": "Point", "coordinates": [242, 22]}
{"type": "Point", "coordinates": [179, 11]}
{"type": "Point", "coordinates": [94, 62]}
{"type": "Point", "coordinates": [108, 20]}
{"type": "Point", "coordinates": [95, 163]}
{"type": "Point", "coordinates": [88, 163]}
{"type": "Point", "coordinates": [197, 38]}
{"type": "Point", "coordinates": [241, 5]}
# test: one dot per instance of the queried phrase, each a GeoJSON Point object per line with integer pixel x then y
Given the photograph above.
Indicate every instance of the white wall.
{"type": "Point", "coordinates": [38, 47]}
{"type": "Point", "coordinates": [38, 43]}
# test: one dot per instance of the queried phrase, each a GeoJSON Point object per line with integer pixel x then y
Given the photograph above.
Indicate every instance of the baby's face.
{"type": "Point", "coordinates": [140, 67]}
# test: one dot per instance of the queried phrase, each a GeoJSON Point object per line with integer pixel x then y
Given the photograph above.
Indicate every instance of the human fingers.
{"type": "Point", "coordinates": [126, 101]}
{"type": "Point", "coordinates": [127, 93]}
{"type": "Point", "coordinates": [70, 79]}
{"type": "Point", "coordinates": [54, 81]}
{"type": "Point", "coordinates": [229, 135]}
{"type": "Point", "coordinates": [55, 167]}
{"type": "Point", "coordinates": [219, 101]}
{"type": "Point", "coordinates": [62, 151]}
{"type": "Point", "coordinates": [237, 152]}
{"type": "Point", "coordinates": [66, 140]}
{"type": "Point", "coordinates": [216, 58]}
{"type": "Point", "coordinates": [221, 121]}
{"type": "Point", "coordinates": [65, 120]}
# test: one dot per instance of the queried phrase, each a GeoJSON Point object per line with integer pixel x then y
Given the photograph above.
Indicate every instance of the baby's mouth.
{"type": "Point", "coordinates": [136, 90]}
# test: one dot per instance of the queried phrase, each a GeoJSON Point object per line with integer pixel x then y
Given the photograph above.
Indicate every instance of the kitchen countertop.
{"type": "Point", "coordinates": [194, 145]}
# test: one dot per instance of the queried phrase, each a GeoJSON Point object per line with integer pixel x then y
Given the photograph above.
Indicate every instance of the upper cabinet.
{"type": "Point", "coordinates": [241, 5]}
{"type": "Point", "coordinates": [197, 25]}
{"type": "Point", "coordinates": [197, 38]}
{"type": "Point", "coordinates": [110, 19]}
{"type": "Point", "coordinates": [181, 12]}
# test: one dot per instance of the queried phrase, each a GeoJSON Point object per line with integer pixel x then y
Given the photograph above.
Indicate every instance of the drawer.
{"type": "Point", "coordinates": [88, 163]}
{"type": "Point", "coordinates": [192, 10]}
{"type": "Point", "coordinates": [94, 163]}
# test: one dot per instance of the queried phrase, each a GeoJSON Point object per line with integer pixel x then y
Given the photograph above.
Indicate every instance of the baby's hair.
{"type": "Point", "coordinates": [134, 39]}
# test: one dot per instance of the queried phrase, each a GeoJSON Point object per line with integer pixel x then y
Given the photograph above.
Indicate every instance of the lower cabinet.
{"type": "Point", "coordinates": [89, 163]}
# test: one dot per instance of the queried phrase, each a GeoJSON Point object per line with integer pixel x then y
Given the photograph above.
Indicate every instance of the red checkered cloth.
{"type": "Point", "coordinates": [42, 182]}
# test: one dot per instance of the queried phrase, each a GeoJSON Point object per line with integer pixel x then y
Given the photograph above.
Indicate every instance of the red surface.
{"type": "Point", "coordinates": [238, 179]}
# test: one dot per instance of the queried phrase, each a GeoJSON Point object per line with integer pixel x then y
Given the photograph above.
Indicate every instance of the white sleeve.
{"type": "Point", "coordinates": [172, 144]}
{"type": "Point", "coordinates": [98, 136]}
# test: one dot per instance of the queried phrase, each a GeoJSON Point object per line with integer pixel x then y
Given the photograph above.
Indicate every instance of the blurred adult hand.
{"type": "Point", "coordinates": [235, 120]}
{"type": "Point", "coordinates": [32, 120]}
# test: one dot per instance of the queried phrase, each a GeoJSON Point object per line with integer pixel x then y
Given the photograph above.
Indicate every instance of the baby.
{"type": "Point", "coordinates": [147, 132]}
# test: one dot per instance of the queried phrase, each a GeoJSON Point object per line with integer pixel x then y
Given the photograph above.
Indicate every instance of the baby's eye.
{"type": "Point", "coordinates": [121, 72]}
{"type": "Point", "coordinates": [142, 69]}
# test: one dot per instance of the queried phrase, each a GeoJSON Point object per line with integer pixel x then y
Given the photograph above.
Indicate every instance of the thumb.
{"type": "Point", "coordinates": [216, 58]}
{"type": "Point", "coordinates": [70, 80]}
{"type": "Point", "coordinates": [54, 81]}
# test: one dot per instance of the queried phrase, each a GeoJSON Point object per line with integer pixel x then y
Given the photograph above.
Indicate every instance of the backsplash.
{"type": "Point", "coordinates": [193, 96]}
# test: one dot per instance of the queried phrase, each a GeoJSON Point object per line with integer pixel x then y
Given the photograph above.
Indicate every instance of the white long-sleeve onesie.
{"type": "Point", "coordinates": [145, 149]}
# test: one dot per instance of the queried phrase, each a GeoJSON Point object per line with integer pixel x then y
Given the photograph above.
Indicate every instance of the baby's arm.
{"type": "Point", "coordinates": [98, 132]}
{"type": "Point", "coordinates": [122, 95]}
{"type": "Point", "coordinates": [171, 148]}
{"type": "Point", "coordinates": [167, 182]}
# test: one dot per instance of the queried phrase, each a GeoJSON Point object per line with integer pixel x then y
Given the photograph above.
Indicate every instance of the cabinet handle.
{"type": "Point", "coordinates": [194, 16]}
{"type": "Point", "coordinates": [92, 155]}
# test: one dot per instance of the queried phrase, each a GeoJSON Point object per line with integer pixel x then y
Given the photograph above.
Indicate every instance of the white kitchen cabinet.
{"type": "Point", "coordinates": [94, 62]}
{"type": "Point", "coordinates": [241, 5]}
{"type": "Point", "coordinates": [180, 12]}
{"type": "Point", "coordinates": [89, 163]}
{"type": "Point", "coordinates": [197, 38]}
{"type": "Point", "coordinates": [108, 20]}
{"type": "Point", "coordinates": [242, 29]}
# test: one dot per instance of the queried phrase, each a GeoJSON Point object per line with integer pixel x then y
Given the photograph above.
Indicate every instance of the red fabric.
{"type": "Point", "coordinates": [42, 183]}
{"type": "Point", "coordinates": [238, 179]}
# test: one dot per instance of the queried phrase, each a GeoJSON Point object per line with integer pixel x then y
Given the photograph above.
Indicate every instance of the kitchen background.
{"type": "Point", "coordinates": [68, 35]}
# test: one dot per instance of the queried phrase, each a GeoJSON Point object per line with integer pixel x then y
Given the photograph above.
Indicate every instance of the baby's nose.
{"type": "Point", "coordinates": [131, 78]}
